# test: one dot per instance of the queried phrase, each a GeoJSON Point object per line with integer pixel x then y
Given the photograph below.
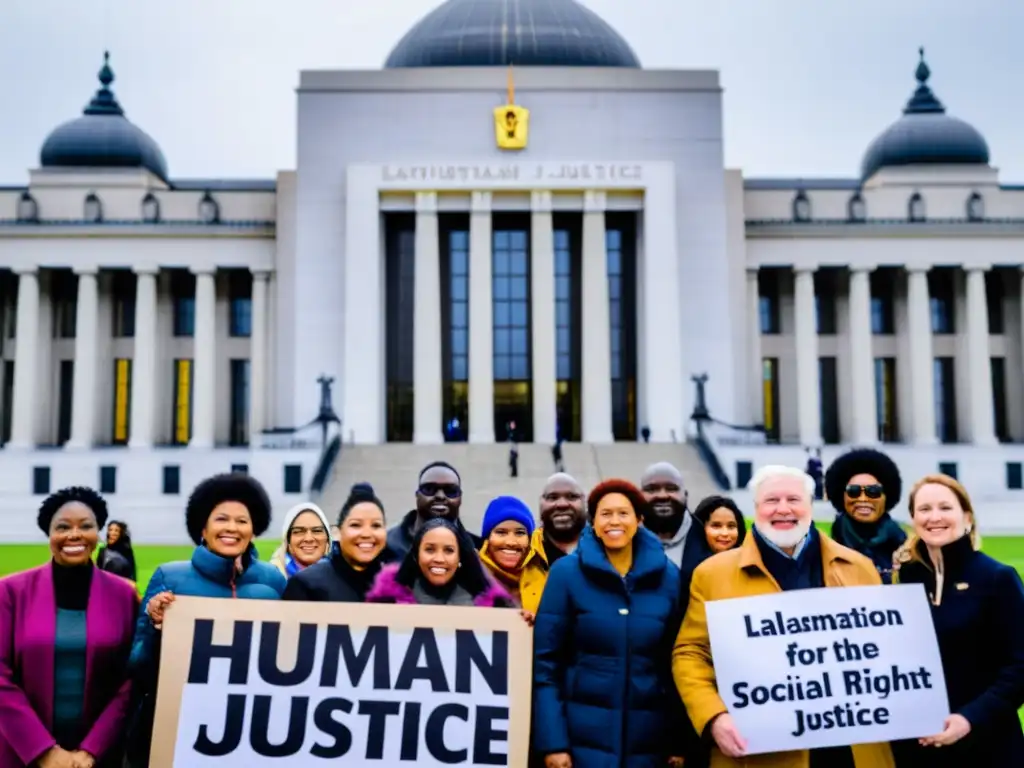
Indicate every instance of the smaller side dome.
{"type": "Point", "coordinates": [925, 135]}
{"type": "Point", "coordinates": [102, 137]}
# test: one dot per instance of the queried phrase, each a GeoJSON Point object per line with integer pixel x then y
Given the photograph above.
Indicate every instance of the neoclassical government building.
{"type": "Point", "coordinates": [511, 221]}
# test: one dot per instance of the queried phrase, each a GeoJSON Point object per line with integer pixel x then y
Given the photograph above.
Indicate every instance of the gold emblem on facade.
{"type": "Point", "coordinates": [511, 121]}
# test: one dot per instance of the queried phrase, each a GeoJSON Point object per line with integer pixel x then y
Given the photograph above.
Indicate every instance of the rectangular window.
{"type": "Point", "coordinates": [400, 292]}
{"type": "Point", "coordinates": [948, 468]}
{"type": "Point", "coordinates": [1014, 476]}
{"type": "Point", "coordinates": [182, 401]}
{"type": "Point", "coordinates": [9, 318]}
{"type": "Point", "coordinates": [240, 469]}
{"type": "Point", "coordinates": [123, 310]}
{"type": "Point", "coordinates": [293, 478]}
{"type": "Point", "coordinates": [108, 479]}
{"type": "Point", "coordinates": [568, 320]}
{"type": "Point", "coordinates": [64, 297]}
{"type": "Point", "coordinates": [620, 242]}
{"type": "Point", "coordinates": [770, 396]}
{"type": "Point", "coordinates": [183, 298]}
{"type": "Point", "coordinates": [172, 479]}
{"type": "Point", "coordinates": [65, 400]}
{"type": "Point", "coordinates": [825, 302]}
{"type": "Point", "coordinates": [459, 292]}
{"type": "Point", "coordinates": [827, 383]}
{"type": "Point", "coordinates": [8, 401]}
{"type": "Point", "coordinates": [239, 402]}
{"type": "Point", "coordinates": [999, 412]}
{"type": "Point", "coordinates": [40, 481]}
{"type": "Point", "coordinates": [240, 304]}
{"type": "Point", "coordinates": [511, 291]}
{"type": "Point", "coordinates": [945, 399]}
{"type": "Point", "coordinates": [885, 399]}
{"type": "Point", "coordinates": [883, 305]}
{"type": "Point", "coordinates": [122, 400]}
{"type": "Point", "coordinates": [454, 236]}
{"type": "Point", "coordinates": [995, 296]}
{"type": "Point", "coordinates": [942, 295]}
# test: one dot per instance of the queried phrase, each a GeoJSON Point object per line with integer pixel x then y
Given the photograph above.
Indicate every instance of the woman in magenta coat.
{"type": "Point", "coordinates": [65, 637]}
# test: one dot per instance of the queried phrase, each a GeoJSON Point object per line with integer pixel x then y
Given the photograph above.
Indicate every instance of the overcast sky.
{"type": "Point", "coordinates": [808, 83]}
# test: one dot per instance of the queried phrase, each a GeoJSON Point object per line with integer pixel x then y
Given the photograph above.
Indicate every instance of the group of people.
{"type": "Point", "coordinates": [614, 582]}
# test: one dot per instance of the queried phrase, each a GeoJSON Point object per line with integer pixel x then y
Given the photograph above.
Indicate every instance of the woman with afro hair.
{"type": "Point", "coordinates": [225, 513]}
{"type": "Point", "coordinates": [65, 636]}
{"type": "Point", "coordinates": [864, 485]}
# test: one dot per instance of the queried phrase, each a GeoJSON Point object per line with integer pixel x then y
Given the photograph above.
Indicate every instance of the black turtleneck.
{"type": "Point", "coordinates": [359, 580]}
{"type": "Point", "coordinates": [71, 585]}
{"type": "Point", "coordinates": [333, 580]}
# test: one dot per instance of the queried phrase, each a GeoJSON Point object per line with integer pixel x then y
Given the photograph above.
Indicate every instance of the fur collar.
{"type": "Point", "coordinates": [387, 589]}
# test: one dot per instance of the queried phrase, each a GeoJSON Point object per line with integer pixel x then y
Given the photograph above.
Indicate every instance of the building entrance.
{"type": "Point", "coordinates": [513, 411]}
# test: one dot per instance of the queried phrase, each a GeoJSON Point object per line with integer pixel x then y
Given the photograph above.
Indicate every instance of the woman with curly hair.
{"type": "Point", "coordinates": [602, 685]}
{"type": "Point", "coordinates": [65, 636]}
{"type": "Point", "coordinates": [225, 513]}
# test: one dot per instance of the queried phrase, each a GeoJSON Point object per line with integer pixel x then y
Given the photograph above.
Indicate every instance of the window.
{"type": "Point", "coordinates": [885, 399]}
{"type": "Point", "coordinates": [65, 400]}
{"type": "Point", "coordinates": [1014, 476]}
{"type": "Point", "coordinates": [293, 478]}
{"type": "Point", "coordinates": [942, 292]}
{"type": "Point", "coordinates": [620, 240]}
{"type": "Point", "coordinates": [172, 479]}
{"type": "Point", "coordinates": [64, 296]}
{"type": "Point", "coordinates": [8, 401]}
{"type": "Point", "coordinates": [239, 402]}
{"type": "Point", "coordinates": [768, 301]}
{"type": "Point", "coordinates": [948, 468]}
{"type": "Point", "coordinates": [975, 207]}
{"type": "Point", "coordinates": [240, 304]}
{"type": "Point", "coordinates": [856, 210]}
{"type": "Point", "coordinates": [744, 473]}
{"type": "Point", "coordinates": [568, 321]}
{"type": "Point", "coordinates": [511, 290]}
{"type": "Point", "coordinates": [241, 469]}
{"type": "Point", "coordinates": [825, 302]}
{"type": "Point", "coordinates": [108, 479]}
{"type": "Point", "coordinates": [183, 296]}
{"type": "Point", "coordinates": [945, 399]}
{"type": "Point", "coordinates": [122, 400]}
{"type": "Point", "coordinates": [999, 407]}
{"type": "Point", "coordinates": [9, 316]}
{"type": "Point", "coordinates": [829, 393]}
{"type": "Point", "coordinates": [123, 310]}
{"type": "Point", "coordinates": [801, 207]}
{"type": "Point", "coordinates": [770, 395]}
{"type": "Point", "coordinates": [400, 274]}
{"type": "Point", "coordinates": [915, 208]}
{"type": "Point", "coordinates": [455, 322]}
{"type": "Point", "coordinates": [995, 296]}
{"type": "Point", "coordinates": [182, 401]}
{"type": "Point", "coordinates": [40, 481]}
{"type": "Point", "coordinates": [883, 305]}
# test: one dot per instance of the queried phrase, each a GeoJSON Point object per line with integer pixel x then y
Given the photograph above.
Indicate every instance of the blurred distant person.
{"type": "Point", "coordinates": [117, 556]}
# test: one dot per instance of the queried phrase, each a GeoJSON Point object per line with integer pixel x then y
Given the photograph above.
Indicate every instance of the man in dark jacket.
{"type": "Point", "coordinates": [438, 494]}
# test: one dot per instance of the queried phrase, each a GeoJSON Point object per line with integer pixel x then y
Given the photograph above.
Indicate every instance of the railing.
{"type": "Point", "coordinates": [325, 466]}
{"type": "Point", "coordinates": [711, 434]}
{"type": "Point", "coordinates": [710, 458]}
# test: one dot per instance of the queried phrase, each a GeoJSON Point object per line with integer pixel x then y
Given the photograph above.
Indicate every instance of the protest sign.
{"type": "Point", "coordinates": [829, 667]}
{"type": "Point", "coordinates": [264, 683]}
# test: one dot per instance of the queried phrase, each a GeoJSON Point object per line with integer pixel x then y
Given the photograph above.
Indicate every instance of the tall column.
{"type": "Point", "coordinates": [754, 346]}
{"type": "Point", "coordinates": [597, 345]}
{"type": "Point", "coordinates": [983, 422]}
{"type": "Point", "coordinates": [26, 362]}
{"type": "Point", "coordinates": [143, 383]}
{"type": "Point", "coordinates": [427, 373]}
{"type": "Point", "coordinates": [481, 322]}
{"type": "Point", "coordinates": [83, 407]}
{"type": "Point", "coordinates": [862, 361]}
{"type": "Point", "coordinates": [808, 384]}
{"type": "Point", "coordinates": [922, 377]}
{"type": "Point", "coordinates": [204, 360]}
{"type": "Point", "coordinates": [542, 310]}
{"type": "Point", "coordinates": [258, 347]}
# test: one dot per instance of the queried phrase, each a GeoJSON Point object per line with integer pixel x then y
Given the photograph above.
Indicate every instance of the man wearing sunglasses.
{"type": "Point", "coordinates": [864, 485]}
{"type": "Point", "coordinates": [438, 494]}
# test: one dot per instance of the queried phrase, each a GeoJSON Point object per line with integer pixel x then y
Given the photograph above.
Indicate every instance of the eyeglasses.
{"type": "Point", "coordinates": [871, 491]}
{"type": "Point", "coordinates": [319, 532]}
{"type": "Point", "coordinates": [450, 490]}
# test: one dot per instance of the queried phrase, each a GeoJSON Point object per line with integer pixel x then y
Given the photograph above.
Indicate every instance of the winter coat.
{"type": "Point", "coordinates": [387, 589]}
{"type": "Point", "coordinates": [603, 689]}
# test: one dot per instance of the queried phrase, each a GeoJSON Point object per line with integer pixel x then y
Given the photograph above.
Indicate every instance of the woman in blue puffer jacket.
{"type": "Point", "coordinates": [224, 514]}
{"type": "Point", "coordinates": [603, 690]}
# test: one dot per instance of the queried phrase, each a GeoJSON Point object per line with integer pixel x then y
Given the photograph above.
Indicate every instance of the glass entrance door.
{"type": "Point", "coordinates": [513, 411]}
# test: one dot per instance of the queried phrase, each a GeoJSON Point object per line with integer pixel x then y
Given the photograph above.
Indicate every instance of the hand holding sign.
{"type": "Point", "coordinates": [955, 728]}
{"type": "Point", "coordinates": [837, 666]}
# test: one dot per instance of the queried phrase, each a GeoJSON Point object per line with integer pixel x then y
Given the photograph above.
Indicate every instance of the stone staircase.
{"type": "Point", "coordinates": [393, 469]}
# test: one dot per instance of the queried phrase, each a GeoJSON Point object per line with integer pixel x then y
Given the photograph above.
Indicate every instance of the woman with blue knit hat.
{"type": "Point", "coordinates": [507, 528]}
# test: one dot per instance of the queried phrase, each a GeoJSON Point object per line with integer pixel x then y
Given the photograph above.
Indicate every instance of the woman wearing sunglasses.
{"type": "Point", "coordinates": [864, 485]}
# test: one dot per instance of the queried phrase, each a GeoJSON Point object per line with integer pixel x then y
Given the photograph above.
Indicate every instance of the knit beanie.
{"type": "Point", "coordinates": [504, 509]}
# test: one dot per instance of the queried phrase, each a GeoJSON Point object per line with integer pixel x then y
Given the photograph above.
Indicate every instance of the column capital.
{"type": "Point", "coordinates": [595, 201]}
{"type": "Point", "coordinates": [263, 275]}
{"type": "Point", "coordinates": [540, 201]}
{"type": "Point", "coordinates": [805, 269]}
{"type": "Point", "coordinates": [147, 270]}
{"type": "Point", "coordinates": [983, 268]}
{"type": "Point", "coordinates": [480, 202]}
{"type": "Point", "coordinates": [426, 202]}
{"type": "Point", "coordinates": [203, 271]}
{"type": "Point", "coordinates": [31, 271]}
{"type": "Point", "coordinates": [917, 269]}
{"type": "Point", "coordinates": [753, 270]}
{"type": "Point", "coordinates": [862, 268]}
{"type": "Point", "coordinates": [83, 271]}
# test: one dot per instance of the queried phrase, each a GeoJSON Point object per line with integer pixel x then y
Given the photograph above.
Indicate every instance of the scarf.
{"type": "Point", "coordinates": [883, 536]}
{"type": "Point", "coordinates": [293, 566]}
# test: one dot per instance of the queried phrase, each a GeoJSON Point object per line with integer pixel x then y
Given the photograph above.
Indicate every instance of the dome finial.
{"type": "Point", "coordinates": [923, 101]}
{"type": "Point", "coordinates": [923, 73]}
{"type": "Point", "coordinates": [104, 102]}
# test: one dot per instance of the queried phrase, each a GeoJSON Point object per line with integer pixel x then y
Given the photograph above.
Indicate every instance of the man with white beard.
{"type": "Point", "coordinates": [785, 552]}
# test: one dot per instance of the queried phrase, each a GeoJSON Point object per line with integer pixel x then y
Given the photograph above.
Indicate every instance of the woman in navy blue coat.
{"type": "Point", "coordinates": [978, 610]}
{"type": "Point", "coordinates": [603, 690]}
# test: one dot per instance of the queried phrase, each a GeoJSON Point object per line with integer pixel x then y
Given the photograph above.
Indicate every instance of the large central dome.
{"type": "Point", "coordinates": [489, 33]}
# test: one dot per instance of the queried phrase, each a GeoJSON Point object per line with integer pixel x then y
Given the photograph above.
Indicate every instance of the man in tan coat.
{"type": "Point", "coordinates": [784, 552]}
